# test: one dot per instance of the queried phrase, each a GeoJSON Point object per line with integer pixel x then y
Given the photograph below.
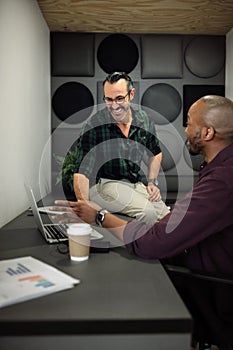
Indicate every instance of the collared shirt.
{"type": "Point", "coordinates": [199, 230]}
{"type": "Point", "coordinates": [104, 151]}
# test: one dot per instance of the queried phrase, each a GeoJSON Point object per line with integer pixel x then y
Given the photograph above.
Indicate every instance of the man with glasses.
{"type": "Point", "coordinates": [110, 152]}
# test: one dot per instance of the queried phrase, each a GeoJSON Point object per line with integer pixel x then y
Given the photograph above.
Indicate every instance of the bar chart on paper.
{"type": "Point", "coordinates": [27, 278]}
{"type": "Point", "coordinates": [20, 268]}
{"type": "Point", "coordinates": [37, 280]}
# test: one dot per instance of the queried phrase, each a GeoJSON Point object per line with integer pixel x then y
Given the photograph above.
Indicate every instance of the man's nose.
{"type": "Point", "coordinates": [115, 103]}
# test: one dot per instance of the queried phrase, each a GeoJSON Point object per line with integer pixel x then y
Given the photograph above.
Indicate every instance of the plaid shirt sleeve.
{"type": "Point", "coordinates": [152, 142]}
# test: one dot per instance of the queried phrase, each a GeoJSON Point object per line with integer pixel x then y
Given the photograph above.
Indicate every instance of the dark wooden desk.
{"type": "Point", "coordinates": [122, 302]}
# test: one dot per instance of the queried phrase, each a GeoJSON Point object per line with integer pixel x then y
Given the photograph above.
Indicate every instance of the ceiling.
{"type": "Point", "coordinates": [209, 17]}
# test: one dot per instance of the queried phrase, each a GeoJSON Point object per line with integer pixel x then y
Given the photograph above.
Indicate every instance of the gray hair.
{"type": "Point", "coordinates": [218, 113]}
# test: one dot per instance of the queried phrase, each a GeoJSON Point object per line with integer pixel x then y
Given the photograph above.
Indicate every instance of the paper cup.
{"type": "Point", "coordinates": [79, 241]}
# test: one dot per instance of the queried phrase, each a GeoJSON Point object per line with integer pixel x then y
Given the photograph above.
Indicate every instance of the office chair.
{"type": "Point", "coordinates": [209, 298]}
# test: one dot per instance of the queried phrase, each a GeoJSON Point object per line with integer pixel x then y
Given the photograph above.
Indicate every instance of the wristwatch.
{"type": "Point", "coordinates": [100, 215]}
{"type": "Point", "coordinates": [154, 181]}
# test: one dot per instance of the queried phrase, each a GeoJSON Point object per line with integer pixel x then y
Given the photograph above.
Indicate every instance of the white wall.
{"type": "Point", "coordinates": [229, 65]}
{"type": "Point", "coordinates": [24, 102]}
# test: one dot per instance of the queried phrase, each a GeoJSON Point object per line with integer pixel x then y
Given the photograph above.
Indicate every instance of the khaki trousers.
{"type": "Point", "coordinates": [127, 198]}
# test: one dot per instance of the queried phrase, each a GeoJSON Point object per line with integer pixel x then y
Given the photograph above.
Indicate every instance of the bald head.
{"type": "Point", "coordinates": [217, 112]}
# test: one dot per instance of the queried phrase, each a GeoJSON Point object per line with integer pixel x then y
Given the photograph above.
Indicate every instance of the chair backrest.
{"type": "Point", "coordinates": [209, 298]}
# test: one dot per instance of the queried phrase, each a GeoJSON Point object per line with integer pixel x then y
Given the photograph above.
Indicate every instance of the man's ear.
{"type": "Point", "coordinates": [132, 93]}
{"type": "Point", "coordinates": [208, 133]}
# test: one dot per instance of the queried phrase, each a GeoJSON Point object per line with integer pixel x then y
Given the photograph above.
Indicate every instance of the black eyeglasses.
{"type": "Point", "coordinates": [118, 99]}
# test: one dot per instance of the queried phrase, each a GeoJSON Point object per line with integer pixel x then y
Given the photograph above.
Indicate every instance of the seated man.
{"type": "Point", "coordinates": [110, 152]}
{"type": "Point", "coordinates": [198, 233]}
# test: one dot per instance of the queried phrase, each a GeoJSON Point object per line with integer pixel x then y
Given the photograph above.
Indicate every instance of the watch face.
{"type": "Point", "coordinates": [101, 217]}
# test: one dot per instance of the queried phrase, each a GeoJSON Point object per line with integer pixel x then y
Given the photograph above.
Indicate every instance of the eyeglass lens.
{"type": "Point", "coordinates": [118, 99]}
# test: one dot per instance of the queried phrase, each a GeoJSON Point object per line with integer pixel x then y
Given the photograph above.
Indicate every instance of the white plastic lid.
{"type": "Point", "coordinates": [79, 229]}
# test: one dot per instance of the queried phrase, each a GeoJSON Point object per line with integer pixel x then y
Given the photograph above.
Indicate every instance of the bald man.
{"type": "Point", "coordinates": [198, 233]}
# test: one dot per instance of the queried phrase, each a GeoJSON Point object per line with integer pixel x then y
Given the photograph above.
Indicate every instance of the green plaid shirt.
{"type": "Point", "coordinates": [104, 152]}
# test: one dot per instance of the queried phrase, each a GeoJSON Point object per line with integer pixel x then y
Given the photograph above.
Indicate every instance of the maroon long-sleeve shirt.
{"type": "Point", "coordinates": [199, 229]}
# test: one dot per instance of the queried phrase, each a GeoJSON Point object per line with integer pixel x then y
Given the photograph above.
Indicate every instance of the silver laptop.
{"type": "Point", "coordinates": [52, 233]}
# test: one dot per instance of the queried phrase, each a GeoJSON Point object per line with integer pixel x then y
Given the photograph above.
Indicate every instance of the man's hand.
{"type": "Point", "coordinates": [75, 211]}
{"type": "Point", "coordinates": [154, 193]}
{"type": "Point", "coordinates": [86, 211]}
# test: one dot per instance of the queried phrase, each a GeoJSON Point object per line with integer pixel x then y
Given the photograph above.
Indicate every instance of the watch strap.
{"type": "Point", "coordinates": [154, 181]}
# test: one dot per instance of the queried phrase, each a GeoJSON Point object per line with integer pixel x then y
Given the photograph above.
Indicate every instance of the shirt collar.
{"type": "Point", "coordinates": [223, 155]}
{"type": "Point", "coordinates": [137, 118]}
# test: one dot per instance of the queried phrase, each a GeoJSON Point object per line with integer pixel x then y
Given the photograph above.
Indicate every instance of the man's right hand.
{"type": "Point", "coordinates": [75, 211]}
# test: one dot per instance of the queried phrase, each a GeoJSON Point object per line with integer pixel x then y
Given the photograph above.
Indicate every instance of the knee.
{"type": "Point", "coordinates": [153, 212]}
{"type": "Point", "coordinates": [148, 215]}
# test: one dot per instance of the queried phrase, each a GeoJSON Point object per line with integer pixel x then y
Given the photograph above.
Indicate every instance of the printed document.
{"type": "Point", "coordinates": [27, 278]}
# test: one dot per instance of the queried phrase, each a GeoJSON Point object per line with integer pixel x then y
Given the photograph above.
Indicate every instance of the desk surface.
{"type": "Point", "coordinates": [119, 293]}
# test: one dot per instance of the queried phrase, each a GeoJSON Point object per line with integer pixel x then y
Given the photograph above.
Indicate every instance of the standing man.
{"type": "Point", "coordinates": [110, 152]}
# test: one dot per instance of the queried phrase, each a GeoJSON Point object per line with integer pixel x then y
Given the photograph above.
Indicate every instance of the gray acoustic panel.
{"type": "Point", "coordinates": [171, 149]}
{"type": "Point", "coordinates": [161, 56]}
{"type": "Point", "coordinates": [117, 52]}
{"type": "Point", "coordinates": [165, 100]}
{"type": "Point", "coordinates": [62, 140]}
{"type": "Point", "coordinates": [205, 56]}
{"type": "Point", "coordinates": [72, 54]}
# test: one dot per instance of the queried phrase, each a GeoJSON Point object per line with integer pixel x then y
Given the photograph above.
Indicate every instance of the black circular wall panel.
{"type": "Point", "coordinates": [164, 99]}
{"type": "Point", "coordinates": [70, 98]}
{"type": "Point", "coordinates": [117, 52]}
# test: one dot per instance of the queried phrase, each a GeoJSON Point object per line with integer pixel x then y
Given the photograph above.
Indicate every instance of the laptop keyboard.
{"type": "Point", "coordinates": [56, 232]}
